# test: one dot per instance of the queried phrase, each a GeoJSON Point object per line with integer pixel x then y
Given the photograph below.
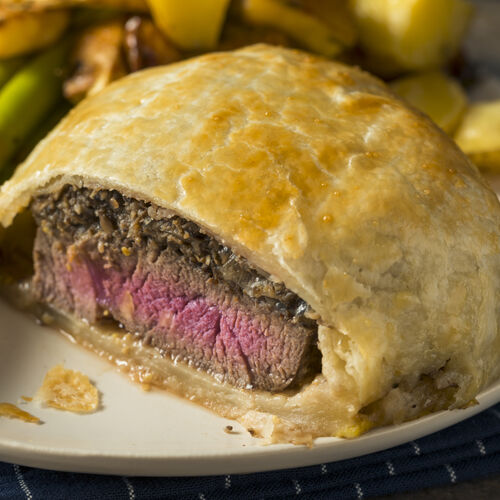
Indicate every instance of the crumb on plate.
{"type": "Point", "coordinates": [68, 390]}
{"type": "Point", "coordinates": [12, 411]}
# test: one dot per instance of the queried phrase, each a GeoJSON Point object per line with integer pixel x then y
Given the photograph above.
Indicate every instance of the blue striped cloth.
{"type": "Point", "coordinates": [468, 450]}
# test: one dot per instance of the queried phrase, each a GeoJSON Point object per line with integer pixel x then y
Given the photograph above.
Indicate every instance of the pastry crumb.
{"type": "Point", "coordinates": [47, 319]}
{"type": "Point", "coordinates": [228, 429]}
{"type": "Point", "coordinates": [68, 390]}
{"type": "Point", "coordinates": [12, 411]}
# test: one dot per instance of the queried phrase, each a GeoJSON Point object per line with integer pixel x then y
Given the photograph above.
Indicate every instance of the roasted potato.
{"type": "Point", "coordinates": [190, 24]}
{"type": "Point", "coordinates": [436, 94]}
{"type": "Point", "coordinates": [25, 32]}
{"type": "Point", "coordinates": [479, 135]}
{"type": "Point", "coordinates": [402, 35]}
{"type": "Point", "coordinates": [98, 60]}
{"type": "Point", "coordinates": [37, 5]}
{"type": "Point", "coordinates": [337, 16]}
{"type": "Point", "coordinates": [145, 45]}
{"type": "Point", "coordinates": [306, 29]}
{"type": "Point", "coordinates": [236, 35]}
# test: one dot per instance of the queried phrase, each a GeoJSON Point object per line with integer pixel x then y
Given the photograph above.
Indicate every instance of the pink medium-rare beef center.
{"type": "Point", "coordinates": [105, 257]}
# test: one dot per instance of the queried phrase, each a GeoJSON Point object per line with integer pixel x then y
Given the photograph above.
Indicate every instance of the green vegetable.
{"type": "Point", "coordinates": [8, 67]}
{"type": "Point", "coordinates": [28, 97]}
{"type": "Point", "coordinates": [48, 123]}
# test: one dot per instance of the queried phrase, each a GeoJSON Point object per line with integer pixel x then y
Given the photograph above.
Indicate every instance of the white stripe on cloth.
{"type": "Point", "coordinates": [451, 472]}
{"type": "Point", "coordinates": [324, 470]}
{"type": "Point", "coordinates": [130, 488]}
{"type": "Point", "coordinates": [416, 447]}
{"type": "Point", "coordinates": [359, 491]}
{"type": "Point", "coordinates": [22, 482]}
{"type": "Point", "coordinates": [298, 489]}
{"type": "Point", "coordinates": [390, 467]}
{"type": "Point", "coordinates": [227, 482]}
{"type": "Point", "coordinates": [480, 445]}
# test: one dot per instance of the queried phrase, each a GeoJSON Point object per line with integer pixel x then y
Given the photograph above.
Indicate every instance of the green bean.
{"type": "Point", "coordinates": [8, 67]}
{"type": "Point", "coordinates": [28, 97]}
{"type": "Point", "coordinates": [48, 123]}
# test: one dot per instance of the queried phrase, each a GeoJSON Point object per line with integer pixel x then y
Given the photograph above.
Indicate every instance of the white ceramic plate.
{"type": "Point", "coordinates": [151, 433]}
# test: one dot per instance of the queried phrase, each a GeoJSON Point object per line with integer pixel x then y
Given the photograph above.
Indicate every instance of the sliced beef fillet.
{"type": "Point", "coordinates": [100, 255]}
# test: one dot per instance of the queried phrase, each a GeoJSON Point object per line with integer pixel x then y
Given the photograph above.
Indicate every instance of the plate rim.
{"type": "Point", "coordinates": [252, 459]}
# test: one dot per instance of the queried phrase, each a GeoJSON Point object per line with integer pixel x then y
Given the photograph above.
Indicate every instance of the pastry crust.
{"type": "Point", "coordinates": [316, 173]}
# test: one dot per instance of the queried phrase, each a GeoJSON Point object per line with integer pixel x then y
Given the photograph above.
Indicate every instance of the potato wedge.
{"type": "Point", "coordinates": [25, 32]}
{"type": "Point", "coordinates": [479, 135]}
{"type": "Point", "coordinates": [145, 45]}
{"type": "Point", "coordinates": [436, 94]}
{"type": "Point", "coordinates": [38, 5]}
{"type": "Point", "coordinates": [304, 28]}
{"type": "Point", "coordinates": [98, 60]}
{"type": "Point", "coordinates": [411, 34]}
{"type": "Point", "coordinates": [236, 35]}
{"type": "Point", "coordinates": [337, 16]}
{"type": "Point", "coordinates": [190, 24]}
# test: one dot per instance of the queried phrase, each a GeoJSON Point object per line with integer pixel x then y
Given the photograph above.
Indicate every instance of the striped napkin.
{"type": "Point", "coordinates": [468, 450]}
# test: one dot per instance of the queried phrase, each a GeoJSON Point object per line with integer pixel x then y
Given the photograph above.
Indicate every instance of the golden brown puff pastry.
{"type": "Point", "coordinates": [319, 176]}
